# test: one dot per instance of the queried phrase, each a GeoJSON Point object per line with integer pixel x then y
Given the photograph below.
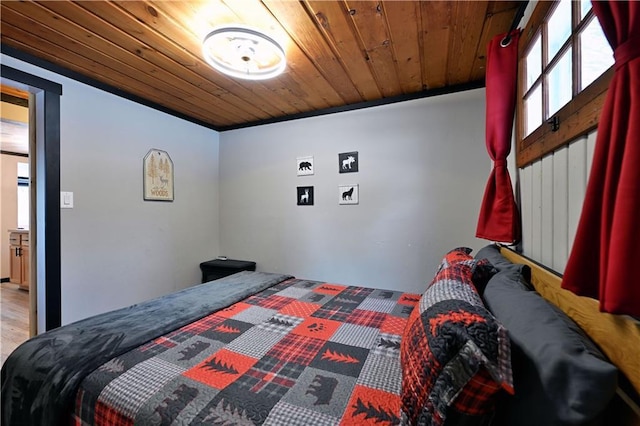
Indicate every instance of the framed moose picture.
{"type": "Point", "coordinates": [348, 162]}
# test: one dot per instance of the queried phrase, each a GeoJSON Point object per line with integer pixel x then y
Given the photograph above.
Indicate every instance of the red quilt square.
{"type": "Point", "coordinates": [478, 396]}
{"type": "Point", "coordinates": [223, 368]}
{"type": "Point", "coordinates": [275, 302]}
{"type": "Point", "coordinates": [297, 349]}
{"type": "Point", "coordinates": [330, 289]}
{"type": "Point", "coordinates": [203, 324]}
{"type": "Point", "coordinates": [299, 309]}
{"type": "Point", "coordinates": [393, 325]}
{"type": "Point", "coordinates": [367, 318]}
{"type": "Point", "coordinates": [318, 328]}
{"type": "Point", "coordinates": [232, 310]}
{"type": "Point", "coordinates": [109, 416]}
{"type": "Point", "coordinates": [369, 406]}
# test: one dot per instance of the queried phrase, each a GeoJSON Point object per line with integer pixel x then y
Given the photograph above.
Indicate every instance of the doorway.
{"type": "Point", "coordinates": [17, 300]}
{"type": "Point", "coordinates": [44, 235]}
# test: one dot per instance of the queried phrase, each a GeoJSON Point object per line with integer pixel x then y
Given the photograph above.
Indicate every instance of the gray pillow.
{"type": "Point", "coordinates": [560, 376]}
{"type": "Point", "coordinates": [521, 274]}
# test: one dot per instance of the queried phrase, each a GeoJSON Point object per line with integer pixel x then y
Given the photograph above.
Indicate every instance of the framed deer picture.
{"type": "Point", "coordinates": [348, 162]}
{"type": "Point", "coordinates": [305, 195]}
{"type": "Point", "coordinates": [157, 176]}
{"type": "Point", "coordinates": [348, 194]}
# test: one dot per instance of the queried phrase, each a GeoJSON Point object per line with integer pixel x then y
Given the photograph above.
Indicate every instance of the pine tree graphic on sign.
{"type": "Point", "coordinates": [158, 176]}
{"type": "Point", "coordinates": [153, 169]}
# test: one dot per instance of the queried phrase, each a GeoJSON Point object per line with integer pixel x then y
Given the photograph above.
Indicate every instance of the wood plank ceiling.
{"type": "Point", "coordinates": [339, 53]}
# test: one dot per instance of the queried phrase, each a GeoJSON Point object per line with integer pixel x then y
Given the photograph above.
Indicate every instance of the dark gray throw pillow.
{"type": "Point", "coordinates": [560, 376]}
{"type": "Point", "coordinates": [521, 274]}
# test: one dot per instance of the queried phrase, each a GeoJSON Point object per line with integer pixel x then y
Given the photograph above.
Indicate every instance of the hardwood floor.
{"type": "Point", "coordinates": [14, 314]}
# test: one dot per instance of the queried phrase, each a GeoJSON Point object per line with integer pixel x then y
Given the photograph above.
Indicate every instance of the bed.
{"type": "Point", "coordinates": [260, 348]}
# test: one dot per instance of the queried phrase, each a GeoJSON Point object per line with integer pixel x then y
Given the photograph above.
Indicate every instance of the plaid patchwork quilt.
{"type": "Point", "coordinates": [298, 353]}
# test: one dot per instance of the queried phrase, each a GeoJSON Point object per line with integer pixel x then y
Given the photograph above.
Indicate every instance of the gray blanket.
{"type": "Point", "coordinates": [40, 378]}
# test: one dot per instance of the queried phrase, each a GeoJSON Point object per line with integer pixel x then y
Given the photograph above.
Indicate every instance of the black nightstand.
{"type": "Point", "coordinates": [218, 268]}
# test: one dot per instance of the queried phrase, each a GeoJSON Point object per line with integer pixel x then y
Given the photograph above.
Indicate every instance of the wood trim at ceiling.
{"type": "Point", "coordinates": [26, 57]}
{"type": "Point", "coordinates": [368, 104]}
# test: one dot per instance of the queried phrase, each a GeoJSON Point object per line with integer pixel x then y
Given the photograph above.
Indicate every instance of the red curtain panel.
{"type": "Point", "coordinates": [499, 219]}
{"type": "Point", "coordinates": [605, 255]}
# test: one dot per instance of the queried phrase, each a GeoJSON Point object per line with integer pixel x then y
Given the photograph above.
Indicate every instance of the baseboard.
{"type": "Point", "coordinates": [4, 280]}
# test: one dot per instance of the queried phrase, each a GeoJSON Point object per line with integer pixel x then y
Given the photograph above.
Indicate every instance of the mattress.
{"type": "Point", "coordinates": [300, 352]}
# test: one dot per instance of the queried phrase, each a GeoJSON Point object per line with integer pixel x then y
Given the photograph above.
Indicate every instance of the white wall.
{"type": "Point", "coordinates": [423, 168]}
{"type": "Point", "coordinates": [116, 248]}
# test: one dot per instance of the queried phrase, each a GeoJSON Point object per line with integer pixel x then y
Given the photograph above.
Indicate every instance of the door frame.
{"type": "Point", "coordinates": [44, 107]}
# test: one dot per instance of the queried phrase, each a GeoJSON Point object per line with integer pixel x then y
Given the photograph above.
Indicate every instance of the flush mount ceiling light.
{"type": "Point", "coordinates": [243, 53]}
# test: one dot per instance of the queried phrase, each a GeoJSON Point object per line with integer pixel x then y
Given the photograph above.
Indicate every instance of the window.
{"type": "Point", "coordinates": [23, 195]}
{"type": "Point", "coordinates": [564, 69]}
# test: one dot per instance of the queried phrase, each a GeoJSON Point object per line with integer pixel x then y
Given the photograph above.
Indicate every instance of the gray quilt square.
{"type": "Point", "coordinates": [129, 391]}
{"type": "Point", "coordinates": [377, 305]}
{"type": "Point", "coordinates": [294, 292]}
{"type": "Point", "coordinates": [387, 345]}
{"type": "Point", "coordinates": [255, 342]}
{"type": "Point", "coordinates": [402, 311]}
{"type": "Point", "coordinates": [382, 372]}
{"type": "Point", "coordinates": [322, 391]}
{"type": "Point", "coordinates": [181, 399]}
{"type": "Point", "coordinates": [318, 298]}
{"type": "Point", "coordinates": [386, 294]}
{"type": "Point", "coordinates": [255, 314]}
{"type": "Point", "coordinates": [280, 323]}
{"type": "Point", "coordinates": [293, 415]}
{"type": "Point", "coordinates": [308, 284]}
{"type": "Point", "coordinates": [191, 352]}
{"type": "Point", "coordinates": [355, 335]}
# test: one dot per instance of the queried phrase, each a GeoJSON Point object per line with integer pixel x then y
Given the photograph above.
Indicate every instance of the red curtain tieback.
{"type": "Point", "coordinates": [500, 163]}
{"type": "Point", "coordinates": [627, 51]}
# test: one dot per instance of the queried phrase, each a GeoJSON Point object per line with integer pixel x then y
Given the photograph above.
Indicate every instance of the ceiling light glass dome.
{"type": "Point", "coordinates": [243, 52]}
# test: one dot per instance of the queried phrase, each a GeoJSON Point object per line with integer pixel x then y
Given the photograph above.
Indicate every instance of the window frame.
{"type": "Point", "coordinates": [576, 118]}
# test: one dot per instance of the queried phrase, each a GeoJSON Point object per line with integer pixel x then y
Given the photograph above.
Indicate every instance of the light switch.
{"type": "Point", "coordinates": [66, 200]}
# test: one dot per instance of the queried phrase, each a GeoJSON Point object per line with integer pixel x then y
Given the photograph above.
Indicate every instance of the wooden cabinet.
{"type": "Point", "coordinates": [19, 264]}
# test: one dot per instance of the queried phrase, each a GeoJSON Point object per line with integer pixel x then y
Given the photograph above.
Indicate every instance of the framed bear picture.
{"type": "Point", "coordinates": [304, 166]}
